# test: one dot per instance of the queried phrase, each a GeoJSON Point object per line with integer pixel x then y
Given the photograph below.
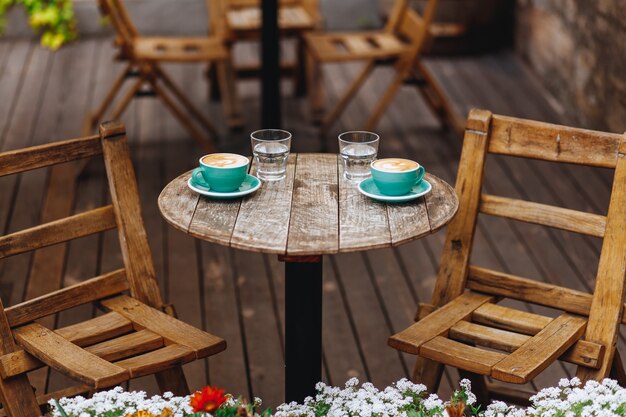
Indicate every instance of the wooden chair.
{"type": "Point", "coordinates": [400, 42]}
{"type": "Point", "coordinates": [134, 336]}
{"type": "Point", "coordinates": [144, 56]}
{"type": "Point", "coordinates": [464, 317]}
{"type": "Point", "coordinates": [240, 20]}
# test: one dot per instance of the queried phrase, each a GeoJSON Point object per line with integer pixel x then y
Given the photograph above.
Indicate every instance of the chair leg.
{"type": "Point", "coordinates": [334, 114]}
{"type": "Point", "coordinates": [92, 119]}
{"type": "Point", "coordinates": [388, 97]}
{"type": "Point", "coordinates": [479, 387]}
{"type": "Point", "coordinates": [169, 84]}
{"type": "Point", "coordinates": [18, 398]}
{"type": "Point", "coordinates": [187, 123]}
{"type": "Point", "coordinates": [230, 99]}
{"type": "Point", "coordinates": [173, 380]}
{"type": "Point", "coordinates": [428, 372]}
{"type": "Point", "coordinates": [315, 87]}
{"type": "Point", "coordinates": [214, 87]}
{"type": "Point", "coordinates": [617, 369]}
{"type": "Point", "coordinates": [125, 101]}
{"type": "Point", "coordinates": [300, 80]}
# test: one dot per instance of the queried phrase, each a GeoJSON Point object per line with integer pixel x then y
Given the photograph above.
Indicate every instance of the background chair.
{"type": "Point", "coordinates": [144, 56]}
{"type": "Point", "coordinates": [134, 336]}
{"type": "Point", "coordinates": [466, 327]}
{"type": "Point", "coordinates": [400, 42]}
{"type": "Point", "coordinates": [240, 21]}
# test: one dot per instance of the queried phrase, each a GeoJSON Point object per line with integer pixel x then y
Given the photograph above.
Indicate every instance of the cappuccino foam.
{"type": "Point", "coordinates": [224, 160]}
{"type": "Point", "coordinates": [395, 164]}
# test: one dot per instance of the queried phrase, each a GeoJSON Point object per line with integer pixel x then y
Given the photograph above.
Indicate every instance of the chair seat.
{"type": "Point", "coordinates": [355, 46]}
{"type": "Point", "coordinates": [129, 341]}
{"type": "Point", "coordinates": [180, 49]}
{"type": "Point", "coordinates": [474, 334]}
{"type": "Point", "coordinates": [290, 18]}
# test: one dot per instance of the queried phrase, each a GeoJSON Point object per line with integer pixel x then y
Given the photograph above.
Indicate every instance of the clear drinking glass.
{"type": "Point", "coordinates": [270, 148]}
{"type": "Point", "coordinates": [357, 150]}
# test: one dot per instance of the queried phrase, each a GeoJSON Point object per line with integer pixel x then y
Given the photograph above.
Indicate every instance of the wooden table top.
{"type": "Point", "coordinates": [313, 211]}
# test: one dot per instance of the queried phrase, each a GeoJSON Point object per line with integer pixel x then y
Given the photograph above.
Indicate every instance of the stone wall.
{"type": "Point", "coordinates": [578, 49]}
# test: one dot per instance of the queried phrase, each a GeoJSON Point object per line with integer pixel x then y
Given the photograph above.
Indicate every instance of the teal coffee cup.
{"type": "Point", "coordinates": [221, 172]}
{"type": "Point", "coordinates": [396, 176]}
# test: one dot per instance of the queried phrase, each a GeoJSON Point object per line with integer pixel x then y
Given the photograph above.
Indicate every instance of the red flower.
{"type": "Point", "coordinates": [208, 399]}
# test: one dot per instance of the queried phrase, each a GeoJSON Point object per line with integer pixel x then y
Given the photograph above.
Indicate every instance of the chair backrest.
{"type": "Point", "coordinates": [138, 275]}
{"type": "Point", "coordinates": [411, 26]}
{"type": "Point", "coordinates": [486, 133]}
{"type": "Point", "coordinates": [125, 30]}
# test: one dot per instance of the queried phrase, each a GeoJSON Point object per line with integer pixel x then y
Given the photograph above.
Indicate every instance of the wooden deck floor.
{"type": "Point", "coordinates": [239, 295]}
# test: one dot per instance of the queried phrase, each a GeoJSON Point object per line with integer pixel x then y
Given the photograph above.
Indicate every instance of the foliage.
{"type": "Point", "coordinates": [54, 19]}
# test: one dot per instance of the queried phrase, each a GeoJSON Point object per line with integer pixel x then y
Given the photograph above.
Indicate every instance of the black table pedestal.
{"type": "Point", "coordinates": [303, 326]}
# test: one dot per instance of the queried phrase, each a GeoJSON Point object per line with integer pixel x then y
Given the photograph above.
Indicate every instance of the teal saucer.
{"type": "Point", "coordinates": [368, 188]}
{"type": "Point", "coordinates": [249, 185]}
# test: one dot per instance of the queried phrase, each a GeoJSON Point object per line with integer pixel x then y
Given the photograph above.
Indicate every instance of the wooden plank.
{"type": "Point", "coordinates": [178, 203]}
{"type": "Point", "coordinates": [314, 224]}
{"type": "Point", "coordinates": [12, 162]}
{"type": "Point", "coordinates": [550, 142]}
{"type": "Point", "coordinates": [541, 350]}
{"type": "Point", "coordinates": [363, 223]}
{"type": "Point", "coordinates": [176, 331]}
{"type": "Point", "coordinates": [459, 355]}
{"type": "Point", "coordinates": [388, 41]}
{"type": "Point", "coordinates": [126, 346]}
{"type": "Point", "coordinates": [437, 323]}
{"type": "Point", "coordinates": [81, 293]}
{"type": "Point", "coordinates": [96, 330]}
{"type": "Point", "coordinates": [510, 319]}
{"type": "Point", "coordinates": [459, 240]}
{"type": "Point", "coordinates": [62, 230]}
{"type": "Point", "coordinates": [133, 241]}
{"type": "Point", "coordinates": [546, 215]}
{"type": "Point", "coordinates": [472, 333]}
{"type": "Point", "coordinates": [442, 203]}
{"type": "Point", "coordinates": [607, 307]}
{"type": "Point", "coordinates": [263, 221]}
{"type": "Point", "coordinates": [357, 44]}
{"type": "Point", "coordinates": [157, 360]}
{"type": "Point", "coordinates": [68, 358]}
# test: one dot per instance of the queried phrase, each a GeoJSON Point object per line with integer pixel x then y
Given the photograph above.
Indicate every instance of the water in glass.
{"type": "Point", "coordinates": [271, 160]}
{"type": "Point", "coordinates": [357, 159]}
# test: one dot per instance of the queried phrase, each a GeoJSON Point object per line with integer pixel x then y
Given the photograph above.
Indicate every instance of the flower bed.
{"type": "Point", "coordinates": [402, 399]}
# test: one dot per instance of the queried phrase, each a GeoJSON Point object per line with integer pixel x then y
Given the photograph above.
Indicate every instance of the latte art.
{"type": "Point", "coordinates": [395, 164]}
{"type": "Point", "coordinates": [224, 160]}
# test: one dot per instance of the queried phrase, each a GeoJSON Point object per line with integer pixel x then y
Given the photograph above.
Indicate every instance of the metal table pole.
{"type": "Point", "coordinates": [270, 66]}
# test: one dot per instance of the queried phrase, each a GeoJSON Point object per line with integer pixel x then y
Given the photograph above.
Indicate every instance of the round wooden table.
{"type": "Point", "coordinates": [314, 211]}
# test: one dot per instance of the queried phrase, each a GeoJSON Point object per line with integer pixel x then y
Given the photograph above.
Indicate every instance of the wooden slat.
{"type": "Point", "coordinates": [357, 44]}
{"type": "Point", "coordinates": [459, 239]}
{"type": "Point", "coordinates": [582, 353]}
{"type": "Point", "coordinates": [459, 355]}
{"type": "Point", "coordinates": [510, 319]}
{"type": "Point", "coordinates": [437, 323]}
{"type": "Point", "coordinates": [68, 358]}
{"type": "Point", "coordinates": [442, 203]}
{"type": "Point", "coordinates": [157, 360]}
{"type": "Point", "coordinates": [388, 41]}
{"type": "Point", "coordinates": [132, 233]}
{"type": "Point", "coordinates": [607, 307]}
{"type": "Point", "coordinates": [126, 346]}
{"type": "Point", "coordinates": [21, 160]}
{"type": "Point", "coordinates": [546, 215]}
{"type": "Point", "coordinates": [84, 292]}
{"type": "Point", "coordinates": [549, 142]}
{"type": "Point", "coordinates": [178, 203]}
{"type": "Point", "coordinates": [540, 350]}
{"type": "Point", "coordinates": [314, 224]}
{"type": "Point", "coordinates": [361, 220]}
{"type": "Point", "coordinates": [173, 330]}
{"type": "Point", "coordinates": [272, 203]}
{"type": "Point", "coordinates": [96, 330]}
{"type": "Point", "coordinates": [62, 230]}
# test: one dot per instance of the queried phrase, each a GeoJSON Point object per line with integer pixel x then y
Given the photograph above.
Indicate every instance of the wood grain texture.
{"type": "Point", "coordinates": [96, 330]}
{"type": "Point", "coordinates": [81, 293]}
{"type": "Point", "coordinates": [41, 156]}
{"type": "Point", "coordinates": [157, 360]}
{"type": "Point", "coordinates": [557, 217]}
{"type": "Point", "coordinates": [62, 230]}
{"type": "Point", "coordinates": [68, 358]}
{"type": "Point", "coordinates": [314, 223]}
{"type": "Point", "coordinates": [462, 356]}
{"type": "Point", "coordinates": [173, 330]}
{"type": "Point", "coordinates": [510, 319]}
{"type": "Point", "coordinates": [363, 222]}
{"type": "Point", "coordinates": [442, 203]}
{"type": "Point", "coordinates": [178, 203]}
{"type": "Point", "coordinates": [126, 346]}
{"type": "Point", "coordinates": [263, 219]}
{"type": "Point", "coordinates": [437, 323]}
{"type": "Point", "coordinates": [541, 350]}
